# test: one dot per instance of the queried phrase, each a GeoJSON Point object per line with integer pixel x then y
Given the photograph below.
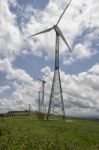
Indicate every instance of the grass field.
{"type": "Point", "coordinates": [25, 133]}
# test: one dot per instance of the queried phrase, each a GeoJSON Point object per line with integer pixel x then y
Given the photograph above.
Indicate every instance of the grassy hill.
{"type": "Point", "coordinates": [25, 133]}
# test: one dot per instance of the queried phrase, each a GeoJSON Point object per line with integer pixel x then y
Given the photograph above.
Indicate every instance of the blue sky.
{"type": "Point", "coordinates": [23, 60]}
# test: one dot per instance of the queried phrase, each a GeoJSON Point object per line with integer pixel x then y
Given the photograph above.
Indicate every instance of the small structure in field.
{"type": "Point", "coordinates": [40, 115]}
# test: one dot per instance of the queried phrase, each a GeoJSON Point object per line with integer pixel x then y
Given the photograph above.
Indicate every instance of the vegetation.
{"type": "Point", "coordinates": [25, 133]}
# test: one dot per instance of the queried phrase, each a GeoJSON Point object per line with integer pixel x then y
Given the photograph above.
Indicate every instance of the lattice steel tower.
{"type": "Point", "coordinates": [56, 104]}
{"type": "Point", "coordinates": [43, 94]}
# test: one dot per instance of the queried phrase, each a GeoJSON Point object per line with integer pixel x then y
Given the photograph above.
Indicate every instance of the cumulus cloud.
{"type": "Point", "coordinates": [22, 94]}
{"type": "Point", "coordinates": [78, 18]}
{"type": "Point", "coordinates": [23, 89]}
{"type": "Point", "coordinates": [46, 72]}
{"type": "Point", "coordinates": [10, 35]}
{"type": "Point", "coordinates": [81, 15]}
{"type": "Point", "coordinates": [80, 92]}
{"type": "Point", "coordinates": [13, 73]}
{"type": "Point", "coordinates": [80, 23]}
{"type": "Point", "coordinates": [4, 88]}
{"type": "Point", "coordinates": [82, 51]}
{"type": "Point", "coordinates": [95, 69]}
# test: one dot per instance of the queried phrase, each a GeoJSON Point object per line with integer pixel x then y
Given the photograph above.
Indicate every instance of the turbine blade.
{"type": "Point", "coordinates": [44, 31]}
{"type": "Point", "coordinates": [63, 38]}
{"type": "Point", "coordinates": [67, 45]}
{"type": "Point", "coordinates": [59, 32]}
{"type": "Point", "coordinates": [63, 12]}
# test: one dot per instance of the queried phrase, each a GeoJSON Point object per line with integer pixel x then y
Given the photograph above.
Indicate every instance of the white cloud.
{"type": "Point", "coordinates": [23, 91]}
{"type": "Point", "coordinates": [95, 69]}
{"type": "Point", "coordinates": [12, 73]}
{"type": "Point", "coordinates": [77, 18]}
{"type": "Point", "coordinates": [10, 35]}
{"type": "Point", "coordinates": [80, 15]}
{"type": "Point", "coordinates": [83, 51]}
{"type": "Point", "coordinates": [4, 88]}
{"type": "Point", "coordinates": [46, 71]}
{"type": "Point", "coordinates": [80, 93]}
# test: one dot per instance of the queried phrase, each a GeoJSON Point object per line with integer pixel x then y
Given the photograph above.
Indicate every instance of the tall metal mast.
{"type": "Point", "coordinates": [43, 93]}
{"type": "Point", "coordinates": [39, 102]}
{"type": "Point", "coordinates": [56, 104]}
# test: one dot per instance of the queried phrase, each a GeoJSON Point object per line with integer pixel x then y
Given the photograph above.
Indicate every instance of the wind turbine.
{"type": "Point", "coordinates": [56, 97]}
{"type": "Point", "coordinates": [43, 94]}
{"type": "Point", "coordinates": [39, 102]}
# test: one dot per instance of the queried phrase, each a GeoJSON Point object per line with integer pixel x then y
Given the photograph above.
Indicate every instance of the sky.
{"type": "Point", "coordinates": [23, 60]}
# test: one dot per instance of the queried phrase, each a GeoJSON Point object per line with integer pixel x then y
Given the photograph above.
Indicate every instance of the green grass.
{"type": "Point", "coordinates": [25, 133]}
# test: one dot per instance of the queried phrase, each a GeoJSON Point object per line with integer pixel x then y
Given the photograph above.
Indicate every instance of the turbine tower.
{"type": "Point", "coordinates": [43, 94]}
{"type": "Point", "coordinates": [56, 104]}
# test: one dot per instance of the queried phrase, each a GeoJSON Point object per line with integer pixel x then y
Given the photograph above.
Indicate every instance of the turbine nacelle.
{"type": "Point", "coordinates": [59, 32]}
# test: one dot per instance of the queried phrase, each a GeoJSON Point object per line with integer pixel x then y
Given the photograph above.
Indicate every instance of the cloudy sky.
{"type": "Point", "coordinates": [23, 60]}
